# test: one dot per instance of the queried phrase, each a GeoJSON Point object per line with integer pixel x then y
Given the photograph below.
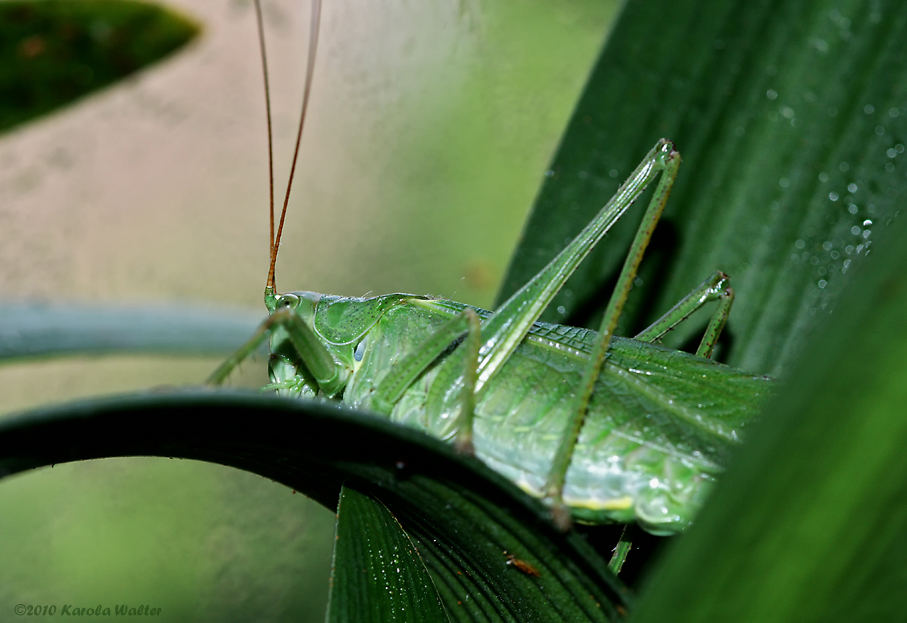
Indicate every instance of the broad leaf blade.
{"type": "Point", "coordinates": [461, 515]}
{"type": "Point", "coordinates": [377, 574]}
{"type": "Point", "coordinates": [791, 118]}
{"type": "Point", "coordinates": [810, 523]}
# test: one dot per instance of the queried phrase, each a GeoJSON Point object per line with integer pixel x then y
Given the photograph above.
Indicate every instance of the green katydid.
{"type": "Point", "coordinates": [607, 428]}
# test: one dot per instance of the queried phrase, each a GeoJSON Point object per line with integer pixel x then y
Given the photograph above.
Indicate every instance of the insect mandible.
{"type": "Point", "coordinates": [604, 428]}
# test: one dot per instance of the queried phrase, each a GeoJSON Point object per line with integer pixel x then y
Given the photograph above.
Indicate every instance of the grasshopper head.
{"type": "Point", "coordinates": [338, 324]}
{"type": "Point", "coordinates": [303, 302]}
{"type": "Point", "coordinates": [286, 368]}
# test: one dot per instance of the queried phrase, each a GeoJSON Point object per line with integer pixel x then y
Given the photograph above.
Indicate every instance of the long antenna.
{"type": "Point", "coordinates": [264, 72]}
{"type": "Point", "coordinates": [310, 71]}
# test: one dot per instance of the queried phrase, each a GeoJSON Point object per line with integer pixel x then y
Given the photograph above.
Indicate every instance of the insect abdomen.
{"type": "Point", "coordinates": [659, 428]}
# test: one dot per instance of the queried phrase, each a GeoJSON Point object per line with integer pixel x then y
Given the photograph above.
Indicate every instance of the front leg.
{"type": "Point", "coordinates": [330, 375]}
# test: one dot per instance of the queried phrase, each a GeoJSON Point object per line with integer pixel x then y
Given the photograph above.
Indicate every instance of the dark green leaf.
{"type": "Point", "coordinates": [460, 515]}
{"type": "Point", "coordinates": [52, 53]}
{"type": "Point", "coordinates": [810, 523]}
{"type": "Point", "coordinates": [791, 116]}
{"type": "Point", "coordinates": [377, 573]}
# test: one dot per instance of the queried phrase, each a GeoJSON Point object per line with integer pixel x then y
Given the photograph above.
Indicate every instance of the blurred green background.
{"type": "Point", "coordinates": [430, 128]}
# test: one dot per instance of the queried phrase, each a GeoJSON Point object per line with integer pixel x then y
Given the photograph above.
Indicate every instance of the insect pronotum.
{"type": "Point", "coordinates": [605, 428]}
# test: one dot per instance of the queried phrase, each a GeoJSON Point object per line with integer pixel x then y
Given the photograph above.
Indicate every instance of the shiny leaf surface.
{"type": "Point", "coordinates": [791, 117]}
{"type": "Point", "coordinates": [810, 523]}
{"type": "Point", "coordinates": [377, 573]}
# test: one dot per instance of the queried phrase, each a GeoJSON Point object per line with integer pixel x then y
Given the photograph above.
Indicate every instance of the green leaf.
{"type": "Point", "coordinates": [42, 330]}
{"type": "Point", "coordinates": [810, 523]}
{"type": "Point", "coordinates": [52, 53]}
{"type": "Point", "coordinates": [791, 117]}
{"type": "Point", "coordinates": [463, 518]}
{"type": "Point", "coordinates": [377, 574]}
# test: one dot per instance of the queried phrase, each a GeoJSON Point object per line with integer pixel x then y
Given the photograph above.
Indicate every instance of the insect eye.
{"type": "Point", "coordinates": [288, 300]}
